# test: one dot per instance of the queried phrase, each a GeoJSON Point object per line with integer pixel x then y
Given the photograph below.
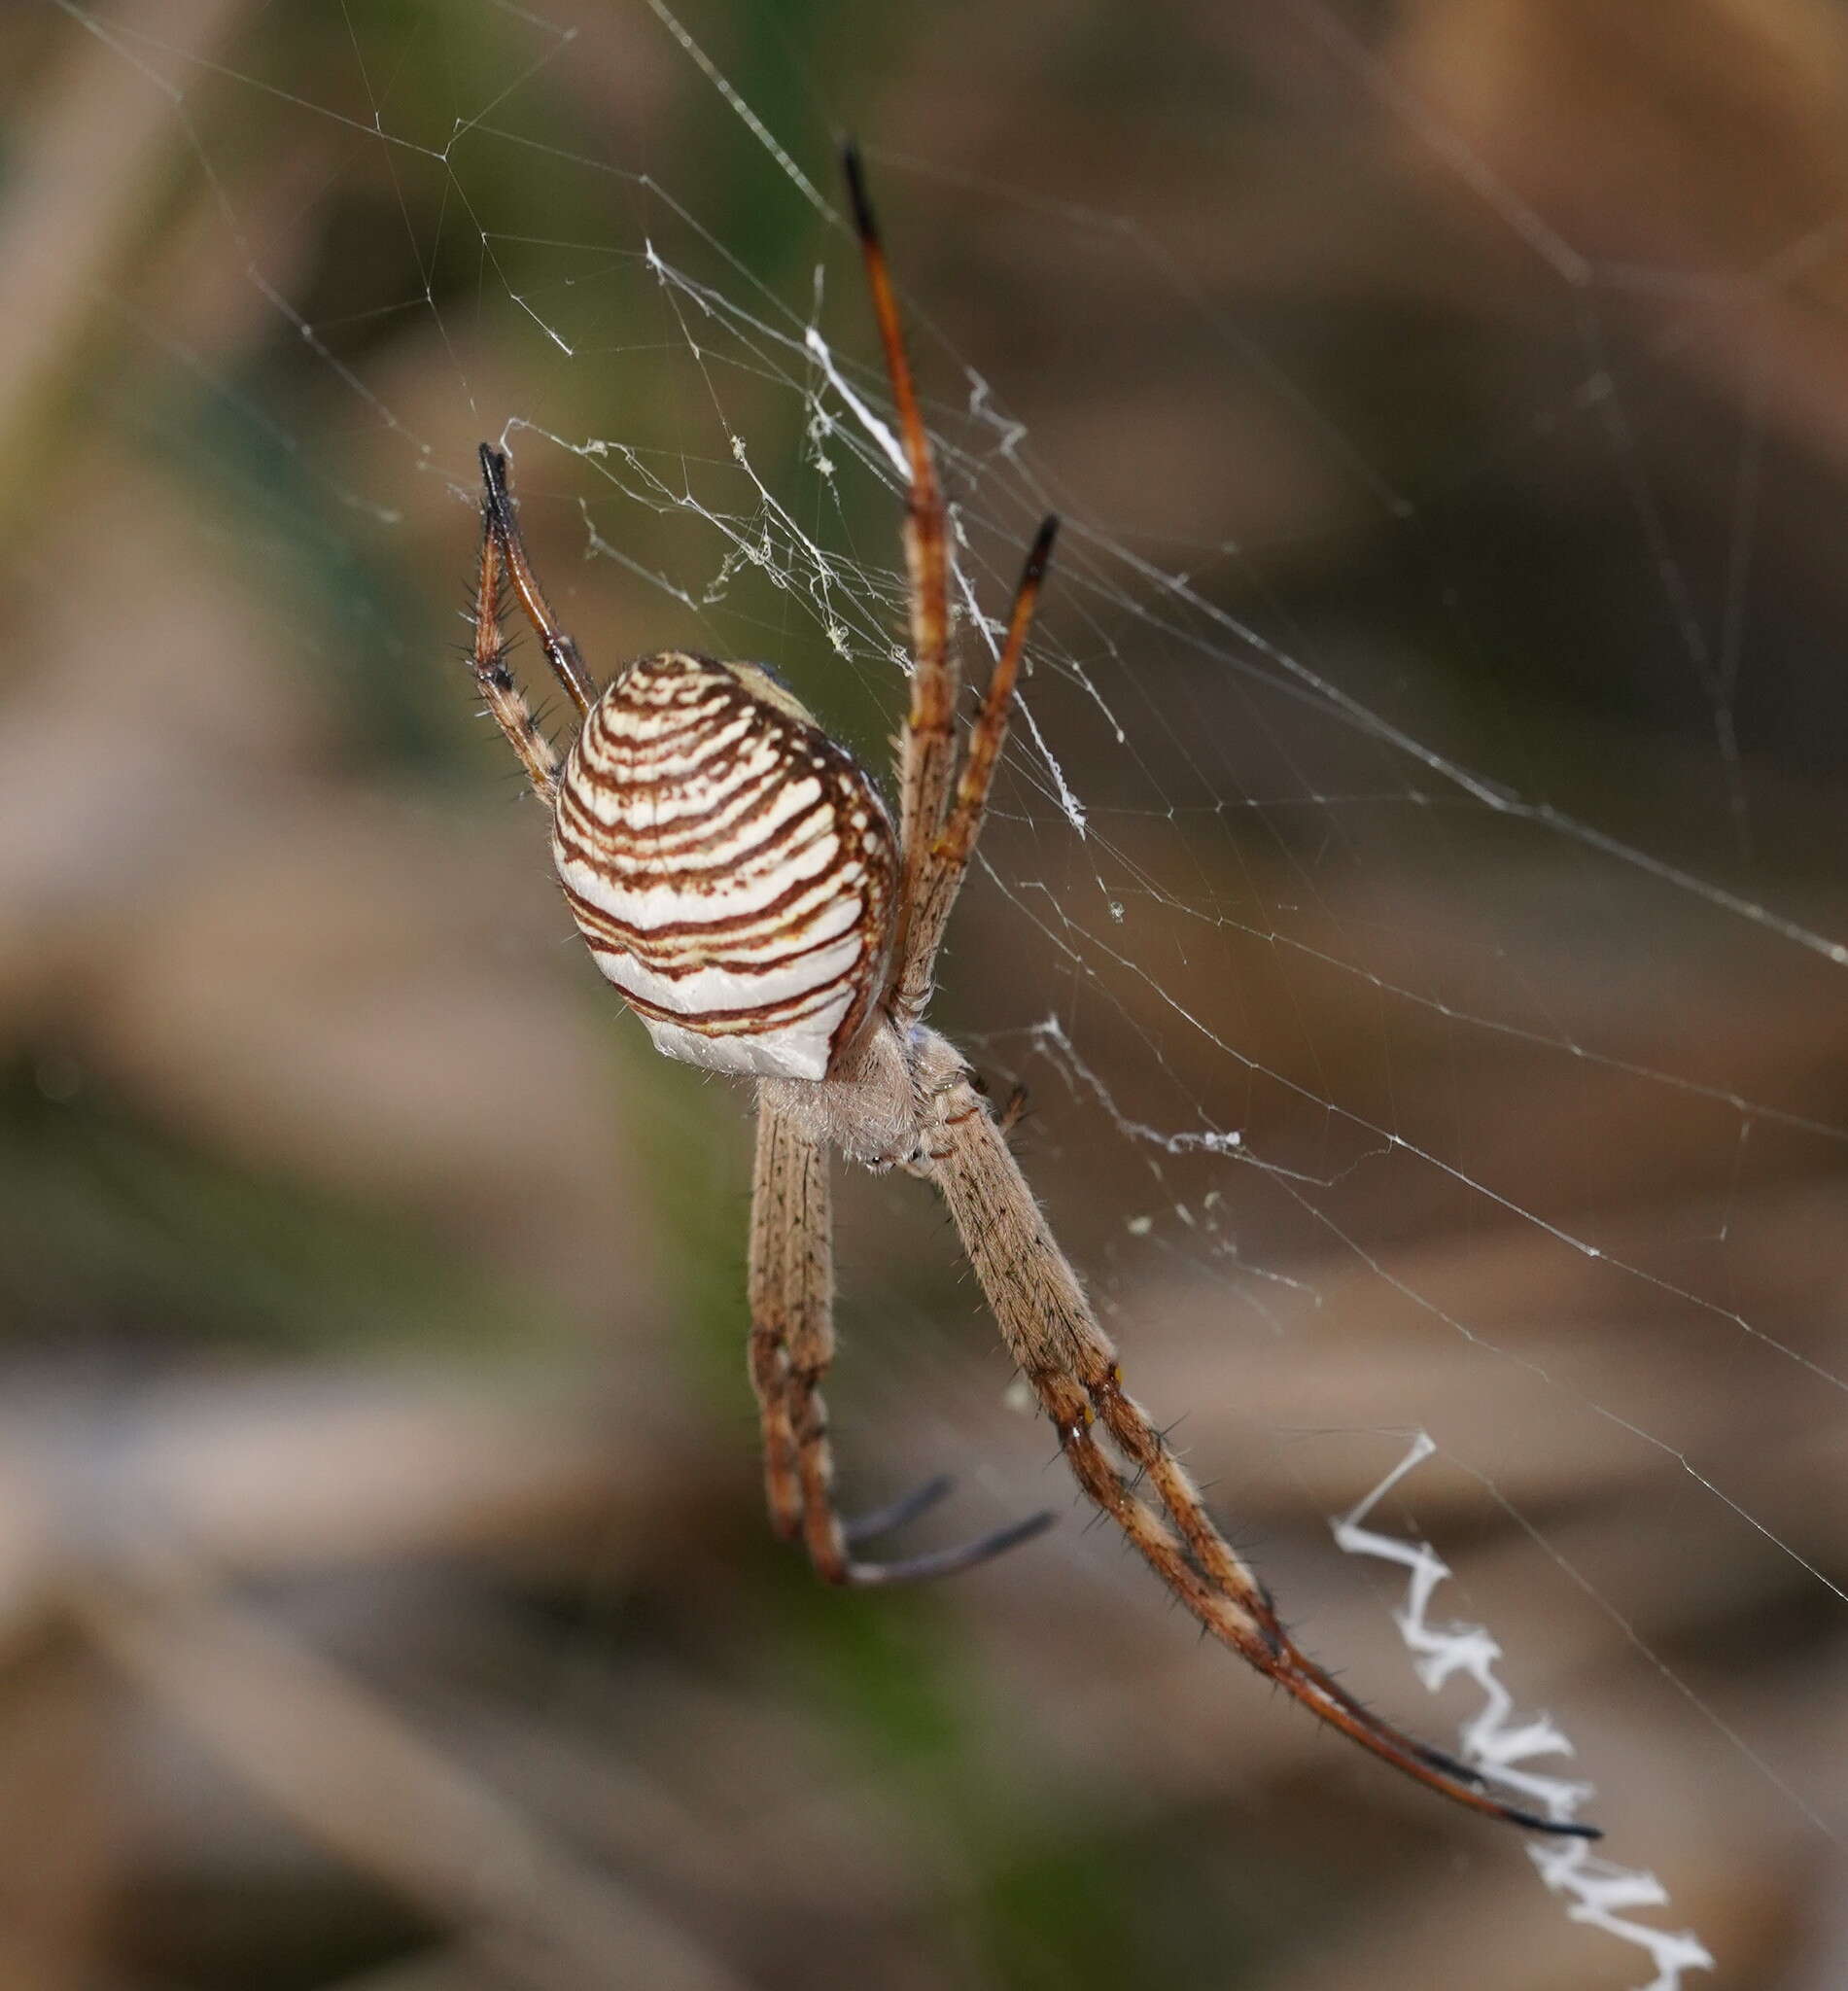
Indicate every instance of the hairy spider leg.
{"type": "Point", "coordinates": [929, 747]}
{"type": "Point", "coordinates": [1073, 1369]}
{"type": "Point", "coordinates": [791, 1275]}
{"type": "Point", "coordinates": [942, 877]}
{"type": "Point", "coordinates": [488, 656]}
{"type": "Point", "coordinates": [561, 652]}
{"type": "Point", "coordinates": [941, 815]}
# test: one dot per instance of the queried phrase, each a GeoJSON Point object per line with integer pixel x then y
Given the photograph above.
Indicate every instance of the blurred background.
{"type": "Point", "coordinates": [1416, 906]}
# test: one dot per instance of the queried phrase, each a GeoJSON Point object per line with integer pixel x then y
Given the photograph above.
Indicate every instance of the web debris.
{"type": "Point", "coordinates": [1597, 1891]}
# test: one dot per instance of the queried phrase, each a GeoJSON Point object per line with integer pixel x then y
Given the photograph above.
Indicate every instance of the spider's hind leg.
{"type": "Point", "coordinates": [791, 1347]}
{"type": "Point", "coordinates": [1123, 1463]}
{"type": "Point", "coordinates": [898, 1514]}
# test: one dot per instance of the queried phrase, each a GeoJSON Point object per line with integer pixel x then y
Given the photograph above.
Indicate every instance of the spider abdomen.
{"type": "Point", "coordinates": [731, 867]}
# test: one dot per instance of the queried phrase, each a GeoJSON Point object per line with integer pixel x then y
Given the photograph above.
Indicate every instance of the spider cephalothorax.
{"type": "Point", "coordinates": [736, 877]}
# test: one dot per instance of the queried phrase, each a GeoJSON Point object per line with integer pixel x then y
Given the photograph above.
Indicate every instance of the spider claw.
{"type": "Point", "coordinates": [1467, 1773]}
{"type": "Point", "coordinates": [949, 1561]}
{"type": "Point", "coordinates": [1561, 1828]}
{"type": "Point", "coordinates": [1436, 1767]}
{"type": "Point", "coordinates": [887, 1519]}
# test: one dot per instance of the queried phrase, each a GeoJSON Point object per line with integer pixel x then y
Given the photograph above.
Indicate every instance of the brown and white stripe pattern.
{"type": "Point", "coordinates": [732, 868]}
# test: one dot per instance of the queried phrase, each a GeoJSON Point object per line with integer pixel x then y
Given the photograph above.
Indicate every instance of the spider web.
{"type": "Point", "coordinates": [1453, 1052]}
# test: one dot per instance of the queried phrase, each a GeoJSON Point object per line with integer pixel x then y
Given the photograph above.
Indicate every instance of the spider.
{"type": "Point", "coordinates": [738, 878]}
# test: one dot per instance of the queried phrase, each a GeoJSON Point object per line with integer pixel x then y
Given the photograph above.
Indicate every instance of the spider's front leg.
{"type": "Point", "coordinates": [791, 1345]}
{"type": "Point", "coordinates": [504, 699]}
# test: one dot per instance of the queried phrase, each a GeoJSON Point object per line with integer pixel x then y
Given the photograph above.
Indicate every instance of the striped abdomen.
{"type": "Point", "coordinates": [731, 867]}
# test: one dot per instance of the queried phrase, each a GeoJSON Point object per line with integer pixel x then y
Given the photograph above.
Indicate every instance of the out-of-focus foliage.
{"type": "Point", "coordinates": [386, 1594]}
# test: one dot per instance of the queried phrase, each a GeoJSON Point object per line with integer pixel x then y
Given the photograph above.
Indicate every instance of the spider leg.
{"type": "Point", "coordinates": [1072, 1367]}
{"type": "Point", "coordinates": [949, 856]}
{"type": "Point", "coordinates": [989, 734]}
{"type": "Point", "coordinates": [561, 652]}
{"type": "Point", "coordinates": [790, 1273]}
{"type": "Point", "coordinates": [941, 813]}
{"type": "Point", "coordinates": [898, 1514]}
{"type": "Point", "coordinates": [488, 656]}
{"type": "Point", "coordinates": [1234, 1605]}
{"type": "Point", "coordinates": [791, 1347]}
{"type": "Point", "coordinates": [948, 1562]}
{"type": "Point", "coordinates": [929, 752]}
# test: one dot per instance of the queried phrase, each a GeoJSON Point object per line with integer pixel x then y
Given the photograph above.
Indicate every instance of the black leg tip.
{"type": "Point", "coordinates": [1560, 1828]}
{"type": "Point", "coordinates": [886, 1521]}
{"type": "Point", "coordinates": [1528, 1821]}
{"type": "Point", "coordinates": [1040, 554]}
{"type": "Point", "coordinates": [493, 482]}
{"type": "Point", "coordinates": [854, 174]}
{"type": "Point", "coordinates": [948, 1562]}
